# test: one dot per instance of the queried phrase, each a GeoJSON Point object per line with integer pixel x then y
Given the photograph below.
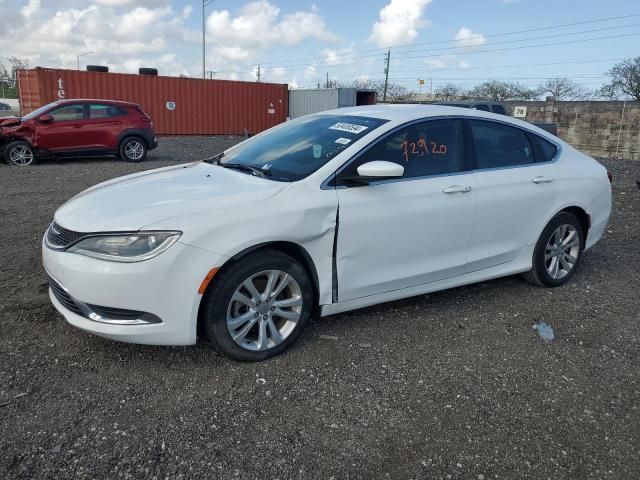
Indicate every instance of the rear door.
{"type": "Point", "coordinates": [515, 192]}
{"type": "Point", "coordinates": [410, 231]}
{"type": "Point", "coordinates": [103, 125]}
{"type": "Point", "coordinates": [64, 133]}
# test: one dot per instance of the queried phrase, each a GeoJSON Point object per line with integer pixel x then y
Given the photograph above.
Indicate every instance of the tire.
{"type": "Point", "coordinates": [20, 154]}
{"type": "Point", "coordinates": [542, 271]}
{"type": "Point", "coordinates": [133, 149]}
{"type": "Point", "coordinates": [220, 307]}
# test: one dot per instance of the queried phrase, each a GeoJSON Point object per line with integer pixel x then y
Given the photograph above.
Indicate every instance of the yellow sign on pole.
{"type": "Point", "coordinates": [421, 81]}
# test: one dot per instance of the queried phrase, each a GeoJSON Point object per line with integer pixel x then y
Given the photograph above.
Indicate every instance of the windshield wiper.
{"type": "Point", "coordinates": [215, 160]}
{"type": "Point", "coordinates": [258, 172]}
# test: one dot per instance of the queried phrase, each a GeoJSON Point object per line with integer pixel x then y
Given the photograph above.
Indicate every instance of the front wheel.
{"type": "Point", "coordinates": [19, 154]}
{"type": "Point", "coordinates": [258, 307]}
{"type": "Point", "coordinates": [558, 252]}
{"type": "Point", "coordinates": [133, 149]}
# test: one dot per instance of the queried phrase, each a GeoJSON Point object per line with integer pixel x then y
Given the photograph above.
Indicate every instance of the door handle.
{"type": "Point", "coordinates": [457, 189]}
{"type": "Point", "coordinates": [542, 180]}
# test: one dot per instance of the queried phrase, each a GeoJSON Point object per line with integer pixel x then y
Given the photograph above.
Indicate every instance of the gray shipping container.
{"type": "Point", "coordinates": [306, 101]}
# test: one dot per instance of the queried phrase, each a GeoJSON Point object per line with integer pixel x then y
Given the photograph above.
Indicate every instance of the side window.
{"type": "Point", "coordinates": [484, 108]}
{"type": "Point", "coordinates": [499, 145]}
{"type": "Point", "coordinates": [68, 112]}
{"type": "Point", "coordinates": [425, 148]}
{"type": "Point", "coordinates": [543, 150]}
{"type": "Point", "coordinates": [103, 111]}
{"type": "Point", "coordinates": [498, 109]}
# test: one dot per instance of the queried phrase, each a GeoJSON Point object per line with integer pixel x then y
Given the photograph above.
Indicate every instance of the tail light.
{"type": "Point", "coordinates": [610, 176]}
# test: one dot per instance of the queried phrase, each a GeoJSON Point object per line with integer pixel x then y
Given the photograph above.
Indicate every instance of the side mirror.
{"type": "Point", "coordinates": [376, 170]}
{"type": "Point", "coordinates": [380, 169]}
{"type": "Point", "coordinates": [45, 118]}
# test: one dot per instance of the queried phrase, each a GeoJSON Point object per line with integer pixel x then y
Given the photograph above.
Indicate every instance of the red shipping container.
{"type": "Point", "coordinates": [178, 106]}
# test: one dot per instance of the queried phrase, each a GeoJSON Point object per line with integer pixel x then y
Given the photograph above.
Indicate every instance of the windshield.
{"type": "Point", "coordinates": [299, 148]}
{"type": "Point", "coordinates": [38, 111]}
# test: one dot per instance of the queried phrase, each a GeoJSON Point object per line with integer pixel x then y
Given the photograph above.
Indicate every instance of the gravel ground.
{"type": "Point", "coordinates": [455, 384]}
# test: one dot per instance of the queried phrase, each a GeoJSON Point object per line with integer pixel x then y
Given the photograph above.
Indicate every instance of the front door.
{"type": "Point", "coordinates": [410, 231]}
{"type": "Point", "coordinates": [65, 132]}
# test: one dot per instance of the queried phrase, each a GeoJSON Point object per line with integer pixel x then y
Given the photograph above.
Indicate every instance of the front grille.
{"type": "Point", "coordinates": [63, 296]}
{"type": "Point", "coordinates": [60, 237]}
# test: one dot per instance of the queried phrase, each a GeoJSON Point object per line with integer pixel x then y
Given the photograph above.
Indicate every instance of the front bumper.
{"type": "Point", "coordinates": [163, 291]}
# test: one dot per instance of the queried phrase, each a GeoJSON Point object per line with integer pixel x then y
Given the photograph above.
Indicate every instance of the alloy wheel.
{"type": "Point", "coordinates": [21, 155]}
{"type": "Point", "coordinates": [561, 252]}
{"type": "Point", "coordinates": [264, 310]}
{"type": "Point", "coordinates": [134, 150]}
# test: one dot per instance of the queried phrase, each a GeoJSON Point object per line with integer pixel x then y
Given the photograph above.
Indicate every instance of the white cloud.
{"type": "Point", "coordinates": [310, 71]}
{"type": "Point", "coordinates": [30, 8]}
{"type": "Point", "coordinates": [467, 38]}
{"type": "Point", "coordinates": [339, 56]}
{"type": "Point", "coordinates": [463, 64]}
{"type": "Point", "coordinates": [399, 22]}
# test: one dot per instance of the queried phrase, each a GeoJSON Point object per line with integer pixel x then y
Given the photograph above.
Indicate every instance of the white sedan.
{"type": "Point", "coordinates": [328, 213]}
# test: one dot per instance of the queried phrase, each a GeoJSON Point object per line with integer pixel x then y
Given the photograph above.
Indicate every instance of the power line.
{"type": "Point", "coordinates": [439, 42]}
{"type": "Point", "coordinates": [476, 52]}
{"type": "Point", "coordinates": [357, 54]}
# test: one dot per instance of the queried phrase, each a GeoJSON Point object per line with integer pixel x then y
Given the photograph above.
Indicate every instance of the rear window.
{"type": "Point", "coordinates": [499, 146]}
{"type": "Point", "coordinates": [543, 150]}
{"type": "Point", "coordinates": [484, 108]}
{"type": "Point", "coordinates": [98, 111]}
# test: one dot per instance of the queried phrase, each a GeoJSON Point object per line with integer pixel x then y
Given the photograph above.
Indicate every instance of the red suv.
{"type": "Point", "coordinates": [78, 128]}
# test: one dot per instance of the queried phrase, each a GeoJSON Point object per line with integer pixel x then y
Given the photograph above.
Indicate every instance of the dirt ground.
{"type": "Point", "coordinates": [455, 384]}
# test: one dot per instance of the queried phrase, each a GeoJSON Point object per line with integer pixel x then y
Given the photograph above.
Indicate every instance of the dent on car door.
{"type": "Point", "coordinates": [515, 192]}
{"type": "Point", "coordinates": [400, 233]}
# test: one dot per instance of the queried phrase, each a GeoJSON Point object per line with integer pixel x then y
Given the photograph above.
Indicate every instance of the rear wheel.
{"type": "Point", "coordinates": [20, 154]}
{"type": "Point", "coordinates": [133, 149]}
{"type": "Point", "coordinates": [558, 252]}
{"type": "Point", "coordinates": [258, 307]}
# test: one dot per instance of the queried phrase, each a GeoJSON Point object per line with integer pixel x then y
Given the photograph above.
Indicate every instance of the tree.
{"type": "Point", "coordinates": [625, 79]}
{"type": "Point", "coordinates": [499, 91]}
{"type": "Point", "coordinates": [448, 92]}
{"type": "Point", "coordinates": [563, 89]}
{"type": "Point", "coordinates": [16, 64]}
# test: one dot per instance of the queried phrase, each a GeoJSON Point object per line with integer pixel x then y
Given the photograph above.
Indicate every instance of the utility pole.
{"type": "Point", "coordinates": [78, 58]}
{"type": "Point", "coordinates": [386, 76]}
{"type": "Point", "coordinates": [258, 73]}
{"type": "Point", "coordinates": [205, 3]}
{"type": "Point", "coordinates": [326, 85]}
{"type": "Point", "coordinates": [211, 74]}
{"type": "Point", "coordinates": [204, 43]}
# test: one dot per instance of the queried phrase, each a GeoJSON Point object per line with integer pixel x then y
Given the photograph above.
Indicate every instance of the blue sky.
{"type": "Point", "coordinates": [301, 41]}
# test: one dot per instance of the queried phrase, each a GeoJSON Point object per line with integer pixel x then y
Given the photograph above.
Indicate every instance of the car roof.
{"type": "Point", "coordinates": [407, 112]}
{"type": "Point", "coordinates": [403, 113]}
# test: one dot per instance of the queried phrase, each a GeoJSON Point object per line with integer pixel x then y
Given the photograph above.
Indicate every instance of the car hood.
{"type": "Point", "coordinates": [10, 121]}
{"type": "Point", "coordinates": [132, 202]}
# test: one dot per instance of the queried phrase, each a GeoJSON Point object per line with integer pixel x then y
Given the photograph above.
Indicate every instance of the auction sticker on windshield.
{"type": "Point", "coordinates": [348, 127]}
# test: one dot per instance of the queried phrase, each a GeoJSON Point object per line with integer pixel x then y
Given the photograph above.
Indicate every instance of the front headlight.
{"type": "Point", "coordinates": [128, 247]}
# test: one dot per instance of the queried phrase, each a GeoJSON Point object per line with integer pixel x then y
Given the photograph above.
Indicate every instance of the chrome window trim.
{"type": "Point", "coordinates": [325, 184]}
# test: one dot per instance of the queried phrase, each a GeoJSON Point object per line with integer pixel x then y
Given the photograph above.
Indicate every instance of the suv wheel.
{"type": "Point", "coordinates": [257, 307]}
{"type": "Point", "coordinates": [558, 252]}
{"type": "Point", "coordinates": [133, 149]}
{"type": "Point", "coordinates": [20, 154]}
